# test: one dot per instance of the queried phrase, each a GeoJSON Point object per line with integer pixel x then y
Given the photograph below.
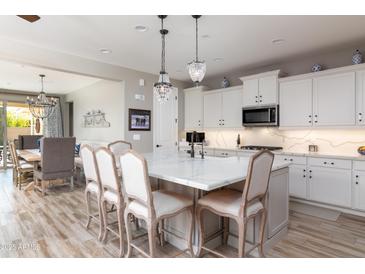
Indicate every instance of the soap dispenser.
{"type": "Point", "coordinates": [238, 141]}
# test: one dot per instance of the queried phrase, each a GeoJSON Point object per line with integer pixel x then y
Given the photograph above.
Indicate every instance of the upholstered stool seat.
{"type": "Point", "coordinates": [229, 201]}
{"type": "Point", "coordinates": [92, 187]}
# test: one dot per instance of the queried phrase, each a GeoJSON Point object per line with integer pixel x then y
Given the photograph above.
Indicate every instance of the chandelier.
{"type": "Point", "coordinates": [197, 68]}
{"type": "Point", "coordinates": [41, 107]}
{"type": "Point", "coordinates": [163, 87]}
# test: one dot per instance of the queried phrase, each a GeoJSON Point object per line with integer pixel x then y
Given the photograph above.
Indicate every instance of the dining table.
{"type": "Point", "coordinates": [32, 156]}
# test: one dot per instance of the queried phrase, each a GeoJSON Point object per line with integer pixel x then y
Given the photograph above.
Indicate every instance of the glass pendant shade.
{"type": "Point", "coordinates": [41, 107]}
{"type": "Point", "coordinates": [197, 70]}
{"type": "Point", "coordinates": [163, 87]}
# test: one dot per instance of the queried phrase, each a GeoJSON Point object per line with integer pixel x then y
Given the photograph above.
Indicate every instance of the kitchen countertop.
{"type": "Point", "coordinates": [205, 174]}
{"type": "Point", "coordinates": [355, 156]}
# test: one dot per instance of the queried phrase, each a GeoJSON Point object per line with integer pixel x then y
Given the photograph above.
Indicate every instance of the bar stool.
{"type": "Point", "coordinates": [118, 148]}
{"type": "Point", "coordinates": [240, 206]}
{"type": "Point", "coordinates": [93, 186]}
{"type": "Point", "coordinates": [152, 207]}
{"type": "Point", "coordinates": [111, 193]}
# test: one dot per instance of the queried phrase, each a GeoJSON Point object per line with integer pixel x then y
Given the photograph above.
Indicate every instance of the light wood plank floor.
{"type": "Point", "coordinates": [53, 226]}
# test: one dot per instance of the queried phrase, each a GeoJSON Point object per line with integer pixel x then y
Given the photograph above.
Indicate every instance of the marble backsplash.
{"type": "Point", "coordinates": [332, 141]}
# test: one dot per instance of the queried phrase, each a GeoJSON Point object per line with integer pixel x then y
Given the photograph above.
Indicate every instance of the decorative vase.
{"type": "Point", "coordinates": [316, 68]}
{"type": "Point", "coordinates": [361, 150]}
{"type": "Point", "coordinates": [225, 83]}
{"type": "Point", "coordinates": [357, 57]}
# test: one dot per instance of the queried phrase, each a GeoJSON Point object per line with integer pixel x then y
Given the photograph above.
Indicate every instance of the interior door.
{"type": "Point", "coordinates": [334, 100]}
{"type": "Point", "coordinates": [165, 122]}
{"type": "Point", "coordinates": [296, 103]}
{"type": "Point", "coordinates": [3, 143]}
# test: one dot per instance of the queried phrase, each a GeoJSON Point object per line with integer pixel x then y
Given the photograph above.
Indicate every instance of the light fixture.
{"type": "Point", "coordinates": [105, 51]}
{"type": "Point", "coordinates": [197, 68]}
{"type": "Point", "coordinates": [163, 87]}
{"type": "Point", "coordinates": [140, 28]}
{"type": "Point", "coordinates": [41, 107]}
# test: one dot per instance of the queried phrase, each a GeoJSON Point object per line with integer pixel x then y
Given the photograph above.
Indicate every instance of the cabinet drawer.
{"type": "Point", "coordinates": [298, 160]}
{"type": "Point", "coordinates": [359, 165]}
{"type": "Point", "coordinates": [328, 162]}
{"type": "Point", "coordinates": [225, 153]}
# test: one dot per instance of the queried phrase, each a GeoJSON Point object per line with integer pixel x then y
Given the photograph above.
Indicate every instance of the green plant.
{"type": "Point", "coordinates": [12, 120]}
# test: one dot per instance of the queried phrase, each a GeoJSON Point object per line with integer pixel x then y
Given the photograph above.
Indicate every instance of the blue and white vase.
{"type": "Point", "coordinates": [316, 68]}
{"type": "Point", "coordinates": [225, 83]}
{"type": "Point", "coordinates": [357, 57]}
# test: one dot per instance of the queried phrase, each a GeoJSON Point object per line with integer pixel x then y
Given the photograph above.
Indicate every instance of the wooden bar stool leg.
{"type": "Point", "coordinates": [129, 233]}
{"type": "Point", "coordinates": [262, 233]}
{"type": "Point", "coordinates": [120, 227]}
{"type": "Point", "coordinates": [151, 228]}
{"type": "Point", "coordinates": [101, 220]}
{"type": "Point", "coordinates": [200, 223]}
{"type": "Point", "coordinates": [190, 231]}
{"type": "Point", "coordinates": [225, 230]}
{"type": "Point", "coordinates": [162, 234]}
{"type": "Point", "coordinates": [105, 218]}
{"type": "Point", "coordinates": [87, 199]}
{"type": "Point", "coordinates": [241, 238]}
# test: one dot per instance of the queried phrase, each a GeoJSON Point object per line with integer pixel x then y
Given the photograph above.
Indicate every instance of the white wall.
{"type": "Point", "coordinates": [108, 96]}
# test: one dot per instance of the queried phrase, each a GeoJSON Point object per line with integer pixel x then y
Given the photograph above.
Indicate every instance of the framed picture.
{"type": "Point", "coordinates": [139, 119]}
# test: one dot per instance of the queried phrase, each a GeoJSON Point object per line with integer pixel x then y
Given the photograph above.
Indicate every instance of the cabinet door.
{"type": "Point", "coordinates": [250, 92]}
{"type": "Point", "coordinates": [296, 103]}
{"type": "Point", "coordinates": [334, 100]}
{"type": "Point", "coordinates": [213, 110]}
{"type": "Point", "coordinates": [268, 90]}
{"type": "Point", "coordinates": [232, 108]}
{"type": "Point", "coordinates": [298, 181]}
{"type": "Point", "coordinates": [330, 185]}
{"type": "Point", "coordinates": [196, 110]}
{"type": "Point", "coordinates": [359, 190]}
{"type": "Point", "coordinates": [187, 114]}
{"type": "Point", "coordinates": [360, 97]}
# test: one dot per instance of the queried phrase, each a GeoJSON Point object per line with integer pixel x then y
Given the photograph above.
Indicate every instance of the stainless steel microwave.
{"type": "Point", "coordinates": [260, 116]}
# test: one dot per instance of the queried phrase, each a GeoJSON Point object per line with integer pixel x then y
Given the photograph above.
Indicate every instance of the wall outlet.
{"type": "Point", "coordinates": [139, 97]}
{"type": "Point", "coordinates": [136, 137]}
{"type": "Point", "coordinates": [141, 82]}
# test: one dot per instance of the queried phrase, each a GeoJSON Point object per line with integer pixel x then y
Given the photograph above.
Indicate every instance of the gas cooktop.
{"type": "Point", "coordinates": [260, 147]}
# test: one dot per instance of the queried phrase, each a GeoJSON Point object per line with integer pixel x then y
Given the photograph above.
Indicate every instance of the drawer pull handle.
{"type": "Point", "coordinates": [357, 183]}
{"type": "Point", "coordinates": [357, 176]}
{"type": "Point", "coordinates": [291, 160]}
{"type": "Point", "coordinates": [310, 177]}
{"type": "Point", "coordinates": [325, 163]}
{"type": "Point", "coordinates": [332, 163]}
{"type": "Point", "coordinates": [303, 176]}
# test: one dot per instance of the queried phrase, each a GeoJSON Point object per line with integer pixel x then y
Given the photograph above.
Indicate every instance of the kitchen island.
{"type": "Point", "coordinates": [179, 172]}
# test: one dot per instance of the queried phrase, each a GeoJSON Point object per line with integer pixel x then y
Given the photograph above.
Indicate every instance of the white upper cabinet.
{"type": "Point", "coordinates": [223, 108]}
{"type": "Point", "coordinates": [212, 110]}
{"type": "Point", "coordinates": [194, 108]}
{"type": "Point", "coordinates": [360, 97]}
{"type": "Point", "coordinates": [334, 100]}
{"type": "Point", "coordinates": [260, 89]}
{"type": "Point", "coordinates": [296, 103]}
{"type": "Point", "coordinates": [232, 108]}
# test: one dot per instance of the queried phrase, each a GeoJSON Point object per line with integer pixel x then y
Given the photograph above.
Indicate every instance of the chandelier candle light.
{"type": "Point", "coordinates": [41, 107]}
{"type": "Point", "coordinates": [163, 87]}
{"type": "Point", "coordinates": [197, 68]}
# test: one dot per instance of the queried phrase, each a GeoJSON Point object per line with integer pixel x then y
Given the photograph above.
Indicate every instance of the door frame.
{"type": "Point", "coordinates": [5, 135]}
{"type": "Point", "coordinates": [176, 112]}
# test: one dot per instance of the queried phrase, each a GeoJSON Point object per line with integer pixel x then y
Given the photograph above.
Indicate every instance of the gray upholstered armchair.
{"type": "Point", "coordinates": [57, 161]}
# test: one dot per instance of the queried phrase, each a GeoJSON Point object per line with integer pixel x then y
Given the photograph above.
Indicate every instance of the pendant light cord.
{"type": "Point", "coordinates": [196, 39]}
{"type": "Point", "coordinates": [163, 48]}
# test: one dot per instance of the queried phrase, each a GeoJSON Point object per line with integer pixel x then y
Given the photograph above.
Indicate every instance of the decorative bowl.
{"type": "Point", "coordinates": [316, 68]}
{"type": "Point", "coordinates": [361, 150]}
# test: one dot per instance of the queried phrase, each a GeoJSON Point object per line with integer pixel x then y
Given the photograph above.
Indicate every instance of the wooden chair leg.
{"type": "Point", "coordinates": [262, 233]}
{"type": "Point", "coordinates": [200, 223]}
{"type": "Point", "coordinates": [225, 230]}
{"type": "Point", "coordinates": [151, 229]}
{"type": "Point", "coordinates": [101, 220]}
{"type": "Point", "coordinates": [105, 218]}
{"type": "Point", "coordinates": [162, 234]}
{"type": "Point", "coordinates": [43, 183]}
{"type": "Point", "coordinates": [241, 238]}
{"type": "Point", "coordinates": [120, 227]}
{"type": "Point", "coordinates": [72, 183]}
{"type": "Point", "coordinates": [190, 231]}
{"type": "Point", "coordinates": [129, 234]}
{"type": "Point", "coordinates": [88, 211]}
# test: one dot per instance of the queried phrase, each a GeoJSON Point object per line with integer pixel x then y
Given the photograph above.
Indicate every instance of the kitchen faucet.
{"type": "Point", "coordinates": [192, 153]}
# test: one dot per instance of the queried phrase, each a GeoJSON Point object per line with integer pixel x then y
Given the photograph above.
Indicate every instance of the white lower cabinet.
{"type": "Point", "coordinates": [298, 181]}
{"type": "Point", "coordinates": [330, 185]}
{"type": "Point", "coordinates": [358, 185]}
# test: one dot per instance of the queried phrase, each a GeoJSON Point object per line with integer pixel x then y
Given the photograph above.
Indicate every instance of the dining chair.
{"type": "Point", "coordinates": [150, 206]}
{"type": "Point", "coordinates": [22, 169]}
{"type": "Point", "coordinates": [29, 141]}
{"type": "Point", "coordinates": [240, 206]}
{"type": "Point", "coordinates": [57, 161]}
{"type": "Point", "coordinates": [111, 193]}
{"type": "Point", "coordinates": [93, 186]}
{"type": "Point", "coordinates": [118, 148]}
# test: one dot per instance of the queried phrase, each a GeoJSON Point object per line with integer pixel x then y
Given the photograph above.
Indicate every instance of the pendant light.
{"type": "Point", "coordinates": [197, 68]}
{"type": "Point", "coordinates": [163, 87]}
{"type": "Point", "coordinates": [41, 107]}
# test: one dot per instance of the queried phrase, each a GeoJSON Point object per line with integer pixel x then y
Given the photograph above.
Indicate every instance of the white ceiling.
{"type": "Point", "coordinates": [15, 76]}
{"type": "Point", "coordinates": [242, 41]}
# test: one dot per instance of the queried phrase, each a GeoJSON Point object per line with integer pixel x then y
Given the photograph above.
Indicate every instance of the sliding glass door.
{"type": "Point", "coordinates": [3, 137]}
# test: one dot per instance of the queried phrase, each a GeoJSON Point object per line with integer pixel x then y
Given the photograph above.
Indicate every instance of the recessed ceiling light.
{"type": "Point", "coordinates": [105, 51]}
{"type": "Point", "coordinates": [277, 41]}
{"type": "Point", "coordinates": [205, 36]}
{"type": "Point", "coordinates": [141, 28]}
{"type": "Point", "coordinates": [218, 59]}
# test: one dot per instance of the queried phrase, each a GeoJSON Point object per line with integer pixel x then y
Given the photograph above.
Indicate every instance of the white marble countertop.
{"type": "Point", "coordinates": [347, 156]}
{"type": "Point", "coordinates": [205, 174]}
